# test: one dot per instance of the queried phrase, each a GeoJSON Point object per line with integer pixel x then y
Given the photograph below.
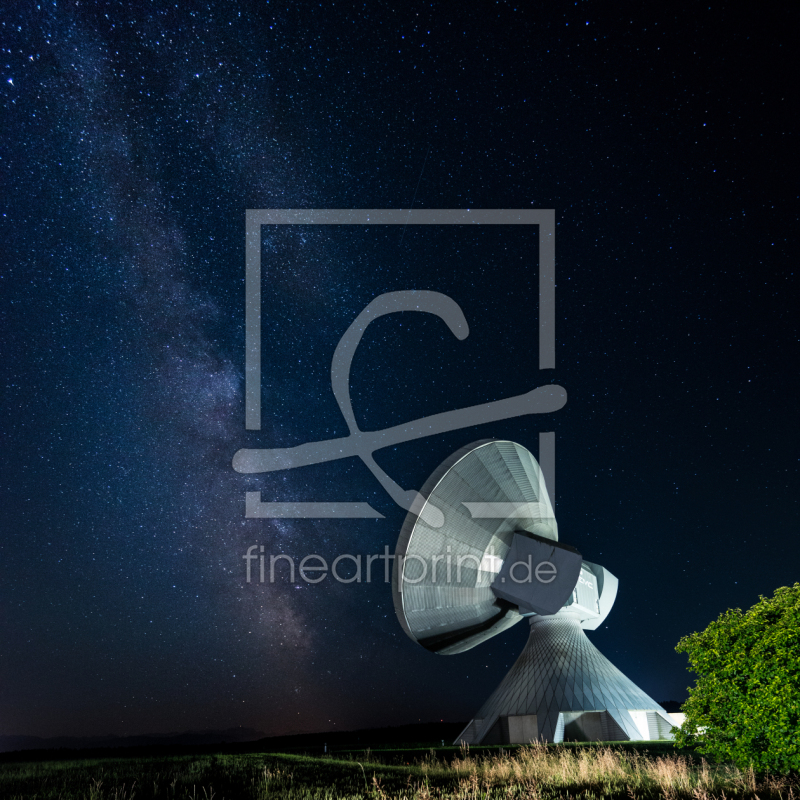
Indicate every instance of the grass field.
{"type": "Point", "coordinates": [538, 771]}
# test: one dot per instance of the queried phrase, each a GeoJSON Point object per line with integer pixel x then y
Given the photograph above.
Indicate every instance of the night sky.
{"type": "Point", "coordinates": [134, 138]}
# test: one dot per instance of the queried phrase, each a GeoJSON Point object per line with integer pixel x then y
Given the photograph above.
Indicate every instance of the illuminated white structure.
{"type": "Point", "coordinates": [483, 553]}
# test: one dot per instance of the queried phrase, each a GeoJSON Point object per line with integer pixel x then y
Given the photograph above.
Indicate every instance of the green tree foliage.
{"type": "Point", "coordinates": [745, 706]}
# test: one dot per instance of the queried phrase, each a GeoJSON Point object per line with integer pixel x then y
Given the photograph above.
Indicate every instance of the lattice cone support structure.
{"type": "Point", "coordinates": [562, 687]}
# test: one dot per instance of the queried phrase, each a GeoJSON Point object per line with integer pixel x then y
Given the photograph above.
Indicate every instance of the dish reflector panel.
{"type": "Point", "coordinates": [442, 575]}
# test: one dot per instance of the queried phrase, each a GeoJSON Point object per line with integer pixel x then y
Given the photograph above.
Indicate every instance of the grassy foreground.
{"type": "Point", "coordinates": [536, 771]}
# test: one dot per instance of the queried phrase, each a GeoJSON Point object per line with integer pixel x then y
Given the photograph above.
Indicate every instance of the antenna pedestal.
{"type": "Point", "coordinates": [563, 688]}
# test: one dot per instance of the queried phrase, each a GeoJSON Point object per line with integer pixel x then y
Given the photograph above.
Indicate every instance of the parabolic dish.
{"type": "Point", "coordinates": [442, 575]}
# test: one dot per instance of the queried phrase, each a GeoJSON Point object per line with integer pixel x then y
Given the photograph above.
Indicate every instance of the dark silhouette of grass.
{"type": "Point", "coordinates": [535, 771]}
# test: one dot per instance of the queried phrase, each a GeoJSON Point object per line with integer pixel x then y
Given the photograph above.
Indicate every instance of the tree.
{"type": "Point", "coordinates": [745, 706]}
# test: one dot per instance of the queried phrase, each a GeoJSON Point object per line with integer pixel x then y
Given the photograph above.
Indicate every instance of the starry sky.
{"type": "Point", "coordinates": [134, 138]}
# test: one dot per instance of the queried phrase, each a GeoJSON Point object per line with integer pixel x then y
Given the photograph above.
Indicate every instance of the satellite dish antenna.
{"type": "Point", "coordinates": [495, 560]}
